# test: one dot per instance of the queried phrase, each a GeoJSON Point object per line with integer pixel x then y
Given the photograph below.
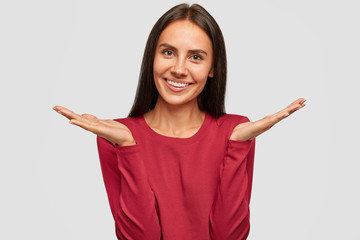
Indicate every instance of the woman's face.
{"type": "Point", "coordinates": [182, 63]}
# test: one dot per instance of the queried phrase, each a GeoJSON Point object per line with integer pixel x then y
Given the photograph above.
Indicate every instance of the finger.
{"type": "Point", "coordinates": [250, 130]}
{"type": "Point", "coordinates": [297, 104]}
{"type": "Point", "coordinates": [85, 125]}
{"type": "Point", "coordinates": [88, 116]}
{"type": "Point", "coordinates": [66, 113]}
{"type": "Point", "coordinates": [299, 101]}
{"type": "Point", "coordinates": [260, 126]}
{"type": "Point", "coordinates": [293, 107]}
{"type": "Point", "coordinates": [113, 123]}
{"type": "Point", "coordinates": [273, 119]}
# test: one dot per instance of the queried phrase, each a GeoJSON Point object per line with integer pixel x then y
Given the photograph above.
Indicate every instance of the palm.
{"type": "Point", "coordinates": [249, 130]}
{"type": "Point", "coordinates": [111, 130]}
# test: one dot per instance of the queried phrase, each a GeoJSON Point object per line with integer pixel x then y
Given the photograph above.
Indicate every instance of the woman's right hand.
{"type": "Point", "coordinates": [111, 130]}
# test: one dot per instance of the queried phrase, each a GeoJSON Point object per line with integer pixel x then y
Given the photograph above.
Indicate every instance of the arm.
{"type": "Point", "coordinates": [229, 216]}
{"type": "Point", "coordinates": [131, 199]}
{"type": "Point", "coordinates": [132, 202]}
{"type": "Point", "coordinates": [249, 130]}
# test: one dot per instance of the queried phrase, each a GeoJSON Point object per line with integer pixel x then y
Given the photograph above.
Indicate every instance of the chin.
{"type": "Point", "coordinates": [178, 100]}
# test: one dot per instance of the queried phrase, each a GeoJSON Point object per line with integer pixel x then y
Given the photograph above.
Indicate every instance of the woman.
{"type": "Point", "coordinates": [179, 167]}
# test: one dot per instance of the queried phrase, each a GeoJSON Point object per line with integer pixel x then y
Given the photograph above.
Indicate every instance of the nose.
{"type": "Point", "coordinates": [179, 68]}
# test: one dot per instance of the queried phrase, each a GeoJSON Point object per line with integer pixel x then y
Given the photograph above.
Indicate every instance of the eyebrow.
{"type": "Point", "coordinates": [174, 48]}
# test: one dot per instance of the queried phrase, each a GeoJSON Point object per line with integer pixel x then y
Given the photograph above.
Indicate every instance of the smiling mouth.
{"type": "Point", "coordinates": [177, 84]}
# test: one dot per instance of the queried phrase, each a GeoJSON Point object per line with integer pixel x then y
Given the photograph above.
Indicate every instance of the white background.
{"type": "Point", "coordinates": [86, 55]}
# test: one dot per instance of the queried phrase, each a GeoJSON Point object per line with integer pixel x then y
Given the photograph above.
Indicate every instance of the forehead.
{"type": "Point", "coordinates": [183, 33]}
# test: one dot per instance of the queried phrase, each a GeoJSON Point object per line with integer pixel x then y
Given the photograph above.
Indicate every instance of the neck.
{"type": "Point", "coordinates": [175, 120]}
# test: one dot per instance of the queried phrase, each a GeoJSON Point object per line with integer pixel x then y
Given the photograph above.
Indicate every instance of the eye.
{"type": "Point", "coordinates": [167, 52]}
{"type": "Point", "coordinates": [196, 57]}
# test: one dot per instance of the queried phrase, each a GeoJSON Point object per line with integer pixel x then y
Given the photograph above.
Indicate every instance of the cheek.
{"type": "Point", "coordinates": [201, 74]}
{"type": "Point", "coordinates": [159, 66]}
{"type": "Point", "coordinates": [156, 65]}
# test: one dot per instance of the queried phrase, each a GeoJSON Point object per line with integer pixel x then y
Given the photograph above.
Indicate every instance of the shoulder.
{"type": "Point", "coordinates": [225, 124]}
{"type": "Point", "coordinates": [130, 122]}
{"type": "Point", "coordinates": [136, 125]}
{"type": "Point", "coordinates": [231, 119]}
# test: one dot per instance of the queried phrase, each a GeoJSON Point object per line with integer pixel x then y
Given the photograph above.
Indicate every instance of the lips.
{"type": "Point", "coordinates": [176, 85]}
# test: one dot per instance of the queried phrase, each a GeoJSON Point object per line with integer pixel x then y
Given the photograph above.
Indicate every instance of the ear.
{"type": "Point", "coordinates": [211, 73]}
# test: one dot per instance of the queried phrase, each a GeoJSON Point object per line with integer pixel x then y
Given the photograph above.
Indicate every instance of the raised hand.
{"type": "Point", "coordinates": [111, 130]}
{"type": "Point", "coordinates": [249, 130]}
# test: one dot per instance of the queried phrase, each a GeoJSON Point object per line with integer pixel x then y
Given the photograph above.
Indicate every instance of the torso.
{"type": "Point", "coordinates": [184, 172]}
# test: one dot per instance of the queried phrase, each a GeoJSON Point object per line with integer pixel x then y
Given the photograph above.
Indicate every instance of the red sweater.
{"type": "Point", "coordinates": [180, 188]}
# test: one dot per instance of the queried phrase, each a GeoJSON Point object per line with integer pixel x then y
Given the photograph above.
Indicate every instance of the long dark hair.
{"type": "Point", "coordinates": [212, 98]}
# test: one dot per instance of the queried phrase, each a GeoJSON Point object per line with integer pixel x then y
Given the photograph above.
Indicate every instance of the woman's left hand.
{"type": "Point", "coordinates": [249, 130]}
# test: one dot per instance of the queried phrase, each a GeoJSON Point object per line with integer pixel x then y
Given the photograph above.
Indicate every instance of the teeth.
{"type": "Point", "coordinates": [176, 84]}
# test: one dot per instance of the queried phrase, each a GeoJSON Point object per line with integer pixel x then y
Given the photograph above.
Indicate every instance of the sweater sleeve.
{"type": "Point", "coordinates": [132, 202]}
{"type": "Point", "coordinates": [229, 216]}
